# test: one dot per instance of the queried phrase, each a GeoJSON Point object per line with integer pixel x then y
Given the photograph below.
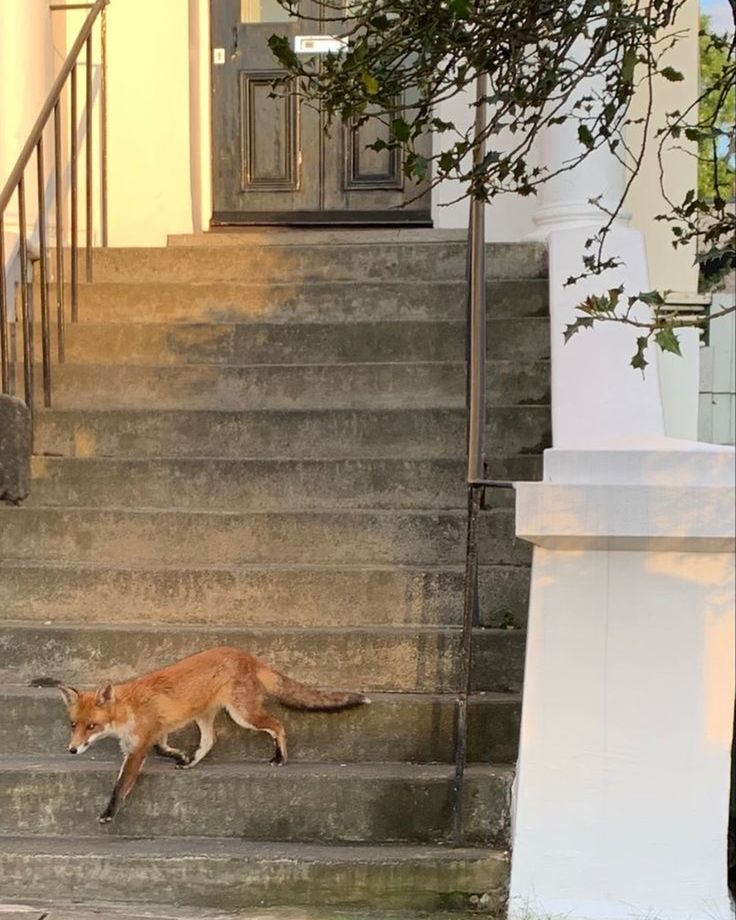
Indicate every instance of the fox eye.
{"type": "Point", "coordinates": [74, 724]}
{"type": "Point", "coordinates": [91, 726]}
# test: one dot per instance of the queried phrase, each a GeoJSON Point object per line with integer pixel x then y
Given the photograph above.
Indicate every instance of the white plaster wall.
{"type": "Point", "coordinates": [509, 217]}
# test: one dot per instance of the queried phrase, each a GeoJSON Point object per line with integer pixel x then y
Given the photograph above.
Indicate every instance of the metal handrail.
{"type": "Point", "coordinates": [15, 185]}
{"type": "Point", "coordinates": [476, 446]}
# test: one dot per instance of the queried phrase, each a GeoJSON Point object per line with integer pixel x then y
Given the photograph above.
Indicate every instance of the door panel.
{"type": "Point", "coordinates": [273, 159]}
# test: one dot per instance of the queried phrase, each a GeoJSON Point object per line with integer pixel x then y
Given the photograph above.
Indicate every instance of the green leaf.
{"type": "Point", "coordinates": [370, 83]}
{"type": "Point", "coordinates": [628, 64]}
{"type": "Point", "coordinates": [400, 129]}
{"type": "Point", "coordinates": [674, 76]}
{"type": "Point", "coordinates": [585, 137]}
{"type": "Point", "coordinates": [639, 361]}
{"type": "Point", "coordinates": [283, 52]}
{"type": "Point", "coordinates": [459, 8]}
{"type": "Point", "coordinates": [583, 322]}
{"type": "Point", "coordinates": [651, 298]}
{"type": "Point", "coordinates": [667, 340]}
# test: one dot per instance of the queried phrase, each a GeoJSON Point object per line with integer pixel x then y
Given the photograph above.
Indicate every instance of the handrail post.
{"type": "Point", "coordinates": [477, 294]}
{"type": "Point", "coordinates": [103, 125]}
{"type": "Point", "coordinates": [476, 397]}
{"type": "Point", "coordinates": [4, 329]}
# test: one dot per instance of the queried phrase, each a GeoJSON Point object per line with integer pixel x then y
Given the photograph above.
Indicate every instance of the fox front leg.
{"type": "Point", "coordinates": [163, 749]}
{"type": "Point", "coordinates": [126, 780]}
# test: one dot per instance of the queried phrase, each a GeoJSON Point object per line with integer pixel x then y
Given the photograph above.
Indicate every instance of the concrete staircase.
{"type": "Point", "coordinates": [258, 440]}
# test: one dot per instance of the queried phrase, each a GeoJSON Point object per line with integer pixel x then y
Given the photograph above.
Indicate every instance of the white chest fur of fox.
{"type": "Point", "coordinates": [141, 713]}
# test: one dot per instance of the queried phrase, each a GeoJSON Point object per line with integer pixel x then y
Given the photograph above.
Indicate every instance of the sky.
{"type": "Point", "coordinates": [720, 14]}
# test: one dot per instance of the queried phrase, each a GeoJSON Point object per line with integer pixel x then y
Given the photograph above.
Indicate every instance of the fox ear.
{"type": "Point", "coordinates": [104, 695]}
{"type": "Point", "coordinates": [70, 694]}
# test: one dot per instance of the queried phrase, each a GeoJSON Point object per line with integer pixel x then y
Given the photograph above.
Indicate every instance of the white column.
{"type": "Point", "coordinates": [621, 805]}
{"type": "Point", "coordinates": [564, 202]}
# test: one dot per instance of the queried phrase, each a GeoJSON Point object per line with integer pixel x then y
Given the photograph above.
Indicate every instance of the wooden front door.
{"type": "Point", "coordinates": [273, 162]}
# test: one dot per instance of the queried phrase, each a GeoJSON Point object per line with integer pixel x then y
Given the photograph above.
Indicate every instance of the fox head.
{"type": "Point", "coordinates": [90, 715]}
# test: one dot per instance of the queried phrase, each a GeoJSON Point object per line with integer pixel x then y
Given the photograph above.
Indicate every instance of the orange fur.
{"type": "Point", "coordinates": [142, 712]}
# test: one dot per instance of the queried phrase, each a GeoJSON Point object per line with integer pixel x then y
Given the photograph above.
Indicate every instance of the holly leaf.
{"type": "Point", "coordinates": [667, 340]}
{"type": "Point", "coordinates": [674, 76]}
{"type": "Point", "coordinates": [400, 129]}
{"type": "Point", "coordinates": [585, 137]}
{"type": "Point", "coordinates": [651, 298]}
{"type": "Point", "coordinates": [582, 322]}
{"type": "Point", "coordinates": [370, 83]}
{"type": "Point", "coordinates": [639, 361]}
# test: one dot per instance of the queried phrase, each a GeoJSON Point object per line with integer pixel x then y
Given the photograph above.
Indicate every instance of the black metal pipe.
{"type": "Point", "coordinates": [88, 167]}
{"type": "Point", "coordinates": [26, 307]}
{"type": "Point", "coordinates": [58, 186]}
{"type": "Point", "coordinates": [4, 343]}
{"type": "Point", "coordinates": [475, 498]}
{"type": "Point", "coordinates": [74, 182]}
{"type": "Point", "coordinates": [44, 278]}
{"type": "Point", "coordinates": [103, 125]}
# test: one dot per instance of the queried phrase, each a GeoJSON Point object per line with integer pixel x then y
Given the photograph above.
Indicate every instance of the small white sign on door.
{"type": "Point", "coordinates": [319, 44]}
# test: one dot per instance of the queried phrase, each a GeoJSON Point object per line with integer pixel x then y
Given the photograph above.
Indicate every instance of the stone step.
{"type": "Point", "coordinates": [177, 300]}
{"type": "Point", "coordinates": [42, 909]}
{"type": "Point", "coordinates": [317, 342]}
{"type": "Point", "coordinates": [317, 803]}
{"type": "Point", "coordinates": [222, 538]}
{"type": "Point", "coordinates": [305, 596]}
{"type": "Point", "coordinates": [413, 728]}
{"type": "Point", "coordinates": [306, 433]}
{"type": "Point", "coordinates": [411, 659]}
{"type": "Point", "coordinates": [253, 485]}
{"type": "Point", "coordinates": [230, 874]}
{"type": "Point", "coordinates": [292, 386]}
{"type": "Point", "coordinates": [297, 261]}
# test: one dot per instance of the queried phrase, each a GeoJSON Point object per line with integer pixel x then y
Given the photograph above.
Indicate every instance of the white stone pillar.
{"type": "Point", "coordinates": [621, 804]}
{"type": "Point", "coordinates": [564, 202]}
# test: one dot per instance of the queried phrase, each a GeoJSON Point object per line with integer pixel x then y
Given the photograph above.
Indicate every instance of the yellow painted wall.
{"type": "Point", "coordinates": [669, 268]}
{"type": "Point", "coordinates": [149, 121]}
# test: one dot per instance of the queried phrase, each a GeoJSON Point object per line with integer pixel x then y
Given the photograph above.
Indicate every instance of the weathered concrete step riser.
{"type": "Point", "coordinates": [392, 729]}
{"type": "Point", "coordinates": [368, 386]}
{"type": "Point", "coordinates": [217, 301]}
{"type": "Point", "coordinates": [407, 660]}
{"type": "Point", "coordinates": [217, 879]}
{"type": "Point", "coordinates": [196, 538]}
{"type": "Point", "coordinates": [410, 433]}
{"type": "Point", "coordinates": [254, 485]}
{"type": "Point", "coordinates": [305, 262]}
{"type": "Point", "coordinates": [359, 805]}
{"type": "Point", "coordinates": [260, 343]}
{"type": "Point", "coordinates": [260, 597]}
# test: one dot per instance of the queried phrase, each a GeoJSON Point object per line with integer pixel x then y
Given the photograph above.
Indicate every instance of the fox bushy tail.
{"type": "Point", "coordinates": [294, 695]}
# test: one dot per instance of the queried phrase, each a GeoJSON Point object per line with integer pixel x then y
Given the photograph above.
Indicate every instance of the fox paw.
{"type": "Point", "coordinates": [185, 762]}
{"type": "Point", "coordinates": [105, 817]}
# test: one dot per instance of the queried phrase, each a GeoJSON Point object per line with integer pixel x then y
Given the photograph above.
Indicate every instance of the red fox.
{"type": "Point", "coordinates": [140, 713]}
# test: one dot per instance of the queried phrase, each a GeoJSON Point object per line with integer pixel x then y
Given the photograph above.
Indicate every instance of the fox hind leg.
{"type": "Point", "coordinates": [206, 726]}
{"type": "Point", "coordinates": [262, 722]}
